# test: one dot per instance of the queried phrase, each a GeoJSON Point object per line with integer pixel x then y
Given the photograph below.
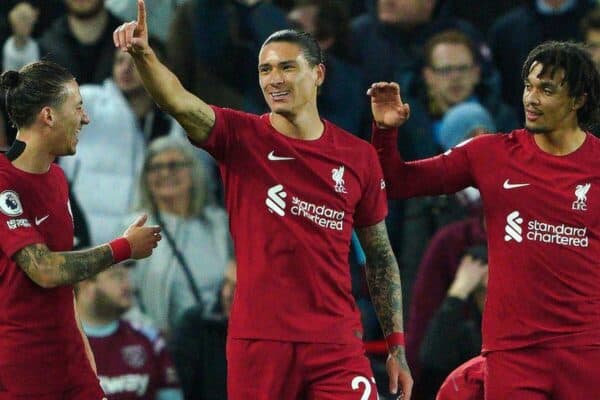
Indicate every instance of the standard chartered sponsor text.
{"type": "Point", "coordinates": [559, 234]}
{"type": "Point", "coordinates": [319, 214]}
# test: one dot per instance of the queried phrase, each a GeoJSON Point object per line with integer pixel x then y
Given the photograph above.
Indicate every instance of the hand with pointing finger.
{"type": "Point", "coordinates": [133, 36]}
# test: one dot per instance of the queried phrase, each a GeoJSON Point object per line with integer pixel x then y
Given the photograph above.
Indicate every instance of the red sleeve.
{"type": "Point", "coordinates": [16, 228]}
{"type": "Point", "coordinates": [442, 174]}
{"type": "Point", "coordinates": [223, 135]}
{"type": "Point", "coordinates": [372, 207]}
{"type": "Point", "coordinates": [465, 382]}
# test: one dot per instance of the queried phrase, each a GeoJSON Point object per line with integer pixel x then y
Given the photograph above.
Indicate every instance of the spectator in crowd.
{"type": "Point", "coordinates": [132, 361]}
{"type": "Point", "coordinates": [514, 34]}
{"type": "Point", "coordinates": [590, 27]}
{"type": "Point", "coordinates": [159, 18]}
{"type": "Point", "coordinates": [198, 345]}
{"type": "Point", "coordinates": [453, 335]}
{"type": "Point", "coordinates": [448, 249]}
{"type": "Point", "coordinates": [110, 154]}
{"type": "Point", "coordinates": [188, 266]}
{"type": "Point", "coordinates": [20, 48]}
{"type": "Point", "coordinates": [465, 382]}
{"type": "Point", "coordinates": [47, 10]}
{"type": "Point", "coordinates": [81, 40]}
{"type": "Point", "coordinates": [483, 15]}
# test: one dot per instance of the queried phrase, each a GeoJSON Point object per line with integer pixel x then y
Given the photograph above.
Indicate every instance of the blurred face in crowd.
{"type": "Point", "coordinates": [452, 74]}
{"type": "Point", "coordinates": [548, 105]}
{"type": "Point", "coordinates": [169, 176]}
{"type": "Point", "coordinates": [228, 288]}
{"type": "Point", "coordinates": [554, 3]}
{"type": "Point", "coordinates": [84, 8]}
{"type": "Point", "coordinates": [125, 74]}
{"type": "Point", "coordinates": [112, 292]}
{"type": "Point", "coordinates": [408, 12]}
{"type": "Point", "coordinates": [68, 119]}
{"type": "Point", "coordinates": [288, 82]}
{"type": "Point", "coordinates": [592, 40]}
{"type": "Point", "coordinates": [304, 17]}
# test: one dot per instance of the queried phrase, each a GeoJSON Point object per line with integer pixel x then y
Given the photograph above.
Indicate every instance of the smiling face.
{"type": "Point", "coordinates": [69, 118]}
{"type": "Point", "coordinates": [169, 176]}
{"type": "Point", "coordinates": [288, 82]}
{"type": "Point", "coordinates": [548, 105]}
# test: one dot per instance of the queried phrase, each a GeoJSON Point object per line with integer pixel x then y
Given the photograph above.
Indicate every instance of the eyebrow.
{"type": "Point", "coordinates": [281, 63]}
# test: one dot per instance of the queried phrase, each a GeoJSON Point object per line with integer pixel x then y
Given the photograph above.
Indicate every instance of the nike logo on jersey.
{"type": "Point", "coordinates": [38, 221]}
{"type": "Point", "coordinates": [507, 185]}
{"type": "Point", "coordinates": [273, 157]}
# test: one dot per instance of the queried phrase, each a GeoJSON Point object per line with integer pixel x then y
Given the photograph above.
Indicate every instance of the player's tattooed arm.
{"type": "Point", "coordinates": [51, 269]}
{"type": "Point", "coordinates": [383, 276]}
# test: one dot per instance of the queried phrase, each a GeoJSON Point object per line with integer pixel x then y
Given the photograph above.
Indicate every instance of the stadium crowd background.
{"type": "Point", "coordinates": [457, 62]}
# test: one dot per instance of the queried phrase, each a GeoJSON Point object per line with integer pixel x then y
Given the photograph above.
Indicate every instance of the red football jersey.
{"type": "Point", "coordinates": [292, 205]}
{"type": "Point", "coordinates": [543, 225]}
{"type": "Point", "coordinates": [41, 349]}
{"type": "Point", "coordinates": [133, 362]}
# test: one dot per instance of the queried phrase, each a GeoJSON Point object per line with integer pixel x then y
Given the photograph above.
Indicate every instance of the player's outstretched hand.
{"type": "Point", "coordinates": [133, 36]}
{"type": "Point", "coordinates": [142, 239]}
{"type": "Point", "coordinates": [401, 381]}
{"type": "Point", "coordinates": [386, 105]}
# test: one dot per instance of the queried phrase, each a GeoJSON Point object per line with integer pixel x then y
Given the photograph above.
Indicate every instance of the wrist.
{"type": "Point", "coordinates": [394, 340]}
{"type": "Point", "coordinates": [121, 249]}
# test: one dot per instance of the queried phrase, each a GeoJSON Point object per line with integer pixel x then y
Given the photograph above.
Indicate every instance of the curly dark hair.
{"type": "Point", "coordinates": [581, 75]}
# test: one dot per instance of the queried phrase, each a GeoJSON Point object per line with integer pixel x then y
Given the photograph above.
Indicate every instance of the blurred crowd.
{"type": "Point", "coordinates": [458, 64]}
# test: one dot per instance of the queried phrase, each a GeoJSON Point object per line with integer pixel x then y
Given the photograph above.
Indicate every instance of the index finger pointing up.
{"type": "Point", "coordinates": [141, 17]}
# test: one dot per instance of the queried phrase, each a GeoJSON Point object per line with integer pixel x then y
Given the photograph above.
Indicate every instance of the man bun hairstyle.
{"type": "Point", "coordinates": [581, 75]}
{"type": "Point", "coordinates": [33, 87]}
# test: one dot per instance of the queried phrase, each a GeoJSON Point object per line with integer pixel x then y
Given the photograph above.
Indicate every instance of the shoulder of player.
{"type": "Point", "coordinates": [350, 143]}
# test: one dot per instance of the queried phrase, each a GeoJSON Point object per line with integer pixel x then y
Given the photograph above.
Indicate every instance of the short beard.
{"type": "Point", "coordinates": [89, 14]}
{"type": "Point", "coordinates": [106, 308]}
{"type": "Point", "coordinates": [539, 130]}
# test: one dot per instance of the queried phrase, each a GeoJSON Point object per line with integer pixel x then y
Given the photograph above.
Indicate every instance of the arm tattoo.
{"type": "Point", "coordinates": [62, 268]}
{"type": "Point", "coordinates": [197, 122]}
{"type": "Point", "coordinates": [383, 277]}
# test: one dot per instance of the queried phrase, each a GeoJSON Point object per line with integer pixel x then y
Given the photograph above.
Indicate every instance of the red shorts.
{"type": "Point", "coordinates": [267, 370]}
{"type": "Point", "coordinates": [543, 373]}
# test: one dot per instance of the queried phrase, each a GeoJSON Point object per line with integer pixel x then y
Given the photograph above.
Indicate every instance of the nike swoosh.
{"type": "Point", "coordinates": [39, 221]}
{"type": "Point", "coordinates": [273, 157]}
{"type": "Point", "coordinates": [508, 185]}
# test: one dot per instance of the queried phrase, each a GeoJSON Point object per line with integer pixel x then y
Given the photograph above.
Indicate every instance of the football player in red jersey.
{"type": "Point", "coordinates": [540, 188]}
{"type": "Point", "coordinates": [43, 353]}
{"type": "Point", "coordinates": [295, 186]}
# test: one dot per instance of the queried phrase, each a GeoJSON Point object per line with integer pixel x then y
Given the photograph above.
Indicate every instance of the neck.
{"type": "Point", "coordinates": [179, 205]}
{"type": "Point", "coordinates": [560, 142]}
{"type": "Point", "coordinates": [305, 125]}
{"type": "Point", "coordinates": [35, 158]}
{"type": "Point", "coordinates": [87, 31]}
{"type": "Point", "coordinates": [140, 103]}
{"type": "Point", "coordinates": [91, 318]}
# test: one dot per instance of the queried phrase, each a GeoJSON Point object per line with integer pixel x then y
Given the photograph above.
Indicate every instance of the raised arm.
{"type": "Point", "coordinates": [442, 174]}
{"type": "Point", "coordinates": [383, 278]}
{"type": "Point", "coordinates": [193, 114]}
{"type": "Point", "coordinates": [51, 269]}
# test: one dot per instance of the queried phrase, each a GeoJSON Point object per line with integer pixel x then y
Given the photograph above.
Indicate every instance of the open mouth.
{"type": "Point", "coordinates": [279, 95]}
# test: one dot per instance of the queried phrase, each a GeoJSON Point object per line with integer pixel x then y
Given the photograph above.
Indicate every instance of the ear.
{"type": "Point", "coordinates": [320, 71]}
{"type": "Point", "coordinates": [577, 103]}
{"type": "Point", "coordinates": [47, 116]}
